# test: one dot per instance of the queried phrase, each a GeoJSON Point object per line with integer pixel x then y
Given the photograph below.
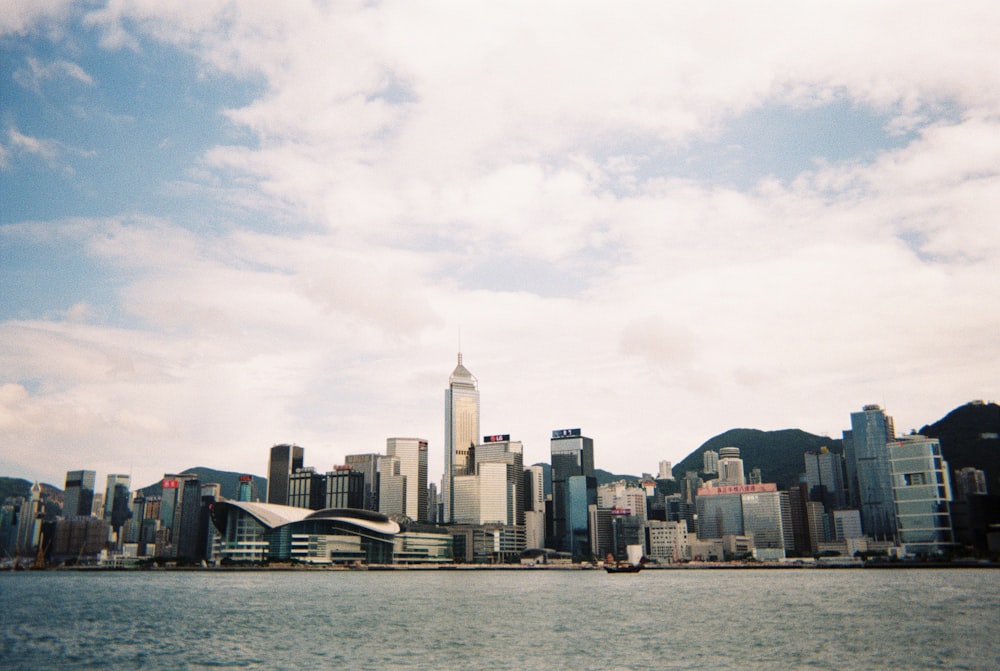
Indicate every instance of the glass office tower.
{"type": "Point", "coordinates": [922, 492]}
{"type": "Point", "coordinates": [572, 455]}
{"type": "Point", "coordinates": [461, 431]}
{"type": "Point", "coordinates": [869, 479]}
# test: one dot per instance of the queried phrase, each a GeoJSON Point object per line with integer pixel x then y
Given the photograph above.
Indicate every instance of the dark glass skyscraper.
{"type": "Point", "coordinates": [572, 456]}
{"type": "Point", "coordinates": [285, 460]}
{"type": "Point", "coordinates": [79, 493]}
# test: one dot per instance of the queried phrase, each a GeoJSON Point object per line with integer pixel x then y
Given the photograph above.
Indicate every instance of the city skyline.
{"type": "Point", "coordinates": [227, 229]}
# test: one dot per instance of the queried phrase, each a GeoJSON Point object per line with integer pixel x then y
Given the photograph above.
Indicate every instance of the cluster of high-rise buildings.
{"type": "Point", "coordinates": [883, 494]}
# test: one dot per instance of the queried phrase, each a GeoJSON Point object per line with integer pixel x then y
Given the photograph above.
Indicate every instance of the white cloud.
{"type": "Point", "coordinates": [441, 169]}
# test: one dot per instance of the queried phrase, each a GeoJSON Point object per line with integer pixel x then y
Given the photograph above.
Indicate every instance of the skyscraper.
{"type": "Point", "coordinates": [868, 476]}
{"type": "Point", "coordinates": [500, 449]}
{"type": "Point", "coordinates": [367, 465]}
{"type": "Point", "coordinates": [825, 477]}
{"type": "Point", "coordinates": [285, 460]}
{"type": "Point", "coordinates": [116, 502]}
{"type": "Point", "coordinates": [412, 455]}
{"type": "Point", "coordinates": [922, 493]}
{"type": "Point", "coordinates": [79, 493]}
{"type": "Point", "coordinates": [572, 456]}
{"type": "Point", "coordinates": [461, 431]}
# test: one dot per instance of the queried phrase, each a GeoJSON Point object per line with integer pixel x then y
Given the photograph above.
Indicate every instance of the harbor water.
{"type": "Point", "coordinates": [533, 619]}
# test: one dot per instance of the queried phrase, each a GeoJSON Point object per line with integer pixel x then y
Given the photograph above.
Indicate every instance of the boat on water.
{"type": "Point", "coordinates": [635, 562]}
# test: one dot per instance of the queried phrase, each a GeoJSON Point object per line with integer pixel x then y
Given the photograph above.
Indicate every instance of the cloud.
{"type": "Point", "coordinates": [408, 172]}
{"type": "Point", "coordinates": [21, 16]}
{"type": "Point", "coordinates": [38, 72]}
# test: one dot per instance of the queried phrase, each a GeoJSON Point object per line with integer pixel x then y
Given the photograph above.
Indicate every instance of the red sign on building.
{"type": "Point", "coordinates": [170, 484]}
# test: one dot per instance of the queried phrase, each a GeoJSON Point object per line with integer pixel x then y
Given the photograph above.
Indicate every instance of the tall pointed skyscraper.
{"type": "Point", "coordinates": [461, 431]}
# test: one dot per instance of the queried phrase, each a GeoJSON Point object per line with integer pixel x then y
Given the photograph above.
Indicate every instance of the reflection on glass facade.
{"type": "Point", "coordinates": [922, 494]}
{"type": "Point", "coordinates": [762, 519]}
{"type": "Point", "coordinates": [461, 431]}
{"type": "Point", "coordinates": [572, 455]}
{"type": "Point", "coordinates": [869, 479]}
{"type": "Point", "coordinates": [719, 515]}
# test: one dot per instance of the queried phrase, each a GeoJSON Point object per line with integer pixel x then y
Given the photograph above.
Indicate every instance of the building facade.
{"type": "Point", "coordinates": [869, 479]}
{"type": "Point", "coordinates": [572, 456]}
{"type": "Point", "coordinates": [412, 467]}
{"type": "Point", "coordinates": [921, 489]}
{"type": "Point", "coordinates": [461, 431]}
{"type": "Point", "coordinates": [284, 461]}
{"type": "Point", "coordinates": [78, 497]}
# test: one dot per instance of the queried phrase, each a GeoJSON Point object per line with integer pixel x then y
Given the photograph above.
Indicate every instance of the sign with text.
{"type": "Point", "coordinates": [738, 489]}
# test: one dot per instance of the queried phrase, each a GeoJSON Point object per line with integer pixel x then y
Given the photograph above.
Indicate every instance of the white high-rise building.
{"type": "Point", "coordinates": [482, 498]}
{"type": "Point", "coordinates": [730, 467]}
{"type": "Point", "coordinates": [534, 507]}
{"type": "Point", "coordinates": [461, 432]}
{"type": "Point", "coordinates": [392, 486]}
{"type": "Point", "coordinates": [710, 461]}
{"type": "Point", "coordinates": [666, 542]}
{"type": "Point", "coordinates": [412, 455]}
{"type": "Point", "coordinates": [666, 472]}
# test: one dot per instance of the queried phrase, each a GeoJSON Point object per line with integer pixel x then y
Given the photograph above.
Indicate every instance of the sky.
{"type": "Point", "coordinates": [227, 225]}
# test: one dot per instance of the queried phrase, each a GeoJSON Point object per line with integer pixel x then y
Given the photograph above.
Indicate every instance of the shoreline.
{"type": "Point", "coordinates": [691, 566]}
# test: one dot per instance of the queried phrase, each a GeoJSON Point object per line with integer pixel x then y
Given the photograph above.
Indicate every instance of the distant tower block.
{"type": "Point", "coordinates": [666, 471]}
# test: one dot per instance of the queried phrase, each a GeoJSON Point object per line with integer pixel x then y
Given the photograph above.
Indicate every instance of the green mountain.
{"type": "Point", "coordinates": [970, 436]}
{"type": "Point", "coordinates": [229, 480]}
{"type": "Point", "coordinates": [15, 487]}
{"type": "Point", "coordinates": [778, 454]}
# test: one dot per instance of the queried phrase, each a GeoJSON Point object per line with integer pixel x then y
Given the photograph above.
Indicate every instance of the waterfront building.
{"type": "Point", "coordinates": [461, 431]}
{"type": "Point", "coordinates": [412, 467]}
{"type": "Point", "coordinates": [284, 461]}
{"type": "Point", "coordinates": [719, 514]}
{"type": "Point", "coordinates": [76, 539]}
{"type": "Point", "coordinates": [572, 456]}
{"type": "Point", "coordinates": [487, 543]}
{"type": "Point", "coordinates": [868, 478]}
{"type": "Point", "coordinates": [179, 512]}
{"type": "Point", "coordinates": [847, 524]}
{"type": "Point", "coordinates": [710, 461]}
{"type": "Point", "coordinates": [921, 489]}
{"type": "Point", "coordinates": [78, 496]}
{"type": "Point", "coordinates": [753, 510]}
{"type": "Point", "coordinates": [257, 532]}
{"type": "Point", "coordinates": [367, 465]}
{"type": "Point", "coordinates": [601, 542]}
{"type": "Point", "coordinates": [422, 547]}
{"type": "Point", "coordinates": [730, 467]}
{"type": "Point", "coordinates": [818, 525]}
{"type": "Point", "coordinates": [826, 478]}
{"type": "Point", "coordinates": [764, 521]}
{"type": "Point", "coordinates": [666, 542]}
{"type": "Point", "coordinates": [798, 497]}
{"type": "Point", "coordinates": [626, 530]}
